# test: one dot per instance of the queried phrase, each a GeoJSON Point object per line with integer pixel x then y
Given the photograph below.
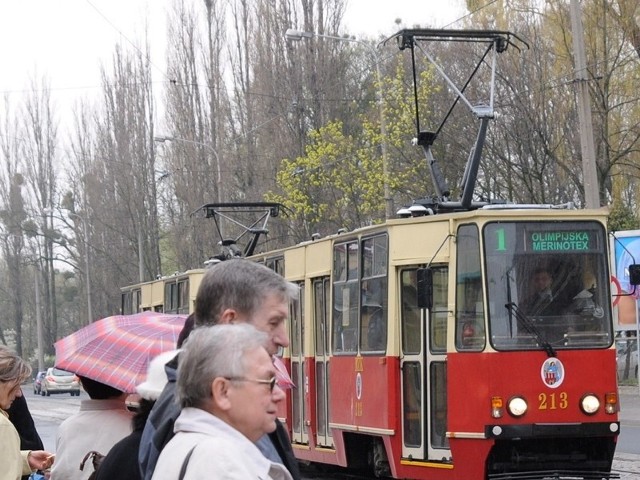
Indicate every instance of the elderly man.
{"type": "Point", "coordinates": [231, 292]}
{"type": "Point", "coordinates": [229, 398]}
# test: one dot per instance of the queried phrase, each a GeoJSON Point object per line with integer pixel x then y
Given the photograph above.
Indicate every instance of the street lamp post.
{"type": "Point", "coordinates": [297, 35]}
{"type": "Point", "coordinates": [166, 138]}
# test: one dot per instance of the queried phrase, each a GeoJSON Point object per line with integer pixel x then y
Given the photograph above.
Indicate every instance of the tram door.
{"type": "Point", "coordinates": [424, 369]}
{"type": "Point", "coordinates": [299, 414]}
{"type": "Point", "coordinates": [321, 306]}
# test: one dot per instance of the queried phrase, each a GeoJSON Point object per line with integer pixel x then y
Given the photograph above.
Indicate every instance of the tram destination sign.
{"type": "Point", "coordinates": [560, 240]}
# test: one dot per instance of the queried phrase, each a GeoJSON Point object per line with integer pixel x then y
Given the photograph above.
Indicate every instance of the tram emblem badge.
{"type": "Point", "coordinates": [552, 372]}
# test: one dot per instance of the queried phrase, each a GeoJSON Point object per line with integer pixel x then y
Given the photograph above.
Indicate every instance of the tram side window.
{"type": "Point", "coordinates": [125, 306]}
{"type": "Point", "coordinates": [297, 322]}
{"type": "Point", "coordinates": [373, 320]}
{"type": "Point", "coordinates": [183, 296]}
{"type": "Point", "coordinates": [439, 311]}
{"type": "Point", "coordinates": [470, 333]}
{"type": "Point", "coordinates": [345, 297]}
{"type": "Point", "coordinates": [411, 314]}
{"type": "Point", "coordinates": [171, 297]}
{"type": "Point", "coordinates": [320, 303]}
{"type": "Point", "coordinates": [439, 405]}
{"type": "Point", "coordinates": [276, 264]}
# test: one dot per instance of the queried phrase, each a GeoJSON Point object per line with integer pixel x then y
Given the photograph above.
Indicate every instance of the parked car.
{"type": "Point", "coordinates": [627, 350]}
{"type": "Point", "coordinates": [37, 382]}
{"type": "Point", "coordinates": [60, 381]}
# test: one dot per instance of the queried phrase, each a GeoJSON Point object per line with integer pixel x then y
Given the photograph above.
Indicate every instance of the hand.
{"type": "Point", "coordinates": [40, 460]}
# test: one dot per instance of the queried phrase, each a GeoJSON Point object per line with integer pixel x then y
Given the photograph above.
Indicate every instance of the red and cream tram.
{"type": "Point", "coordinates": [419, 348]}
{"type": "Point", "coordinates": [413, 353]}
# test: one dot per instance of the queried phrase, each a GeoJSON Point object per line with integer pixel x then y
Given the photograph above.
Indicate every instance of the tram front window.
{"type": "Point", "coordinates": [547, 285]}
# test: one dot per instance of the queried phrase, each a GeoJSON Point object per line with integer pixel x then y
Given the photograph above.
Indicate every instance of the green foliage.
{"type": "Point", "coordinates": [622, 217]}
{"type": "Point", "coordinates": [339, 182]}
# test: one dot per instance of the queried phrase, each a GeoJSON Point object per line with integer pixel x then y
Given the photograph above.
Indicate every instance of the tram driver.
{"type": "Point", "coordinates": [544, 301]}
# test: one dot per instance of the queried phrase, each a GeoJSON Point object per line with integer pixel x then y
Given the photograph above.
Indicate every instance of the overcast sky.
{"type": "Point", "coordinates": [66, 40]}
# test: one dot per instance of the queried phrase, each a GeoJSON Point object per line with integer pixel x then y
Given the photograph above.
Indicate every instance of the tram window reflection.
{"type": "Point", "coordinates": [411, 333]}
{"type": "Point", "coordinates": [412, 411]}
{"type": "Point", "coordinates": [439, 405]}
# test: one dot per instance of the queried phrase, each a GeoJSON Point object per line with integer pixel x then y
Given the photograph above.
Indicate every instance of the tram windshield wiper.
{"type": "Point", "coordinates": [529, 326]}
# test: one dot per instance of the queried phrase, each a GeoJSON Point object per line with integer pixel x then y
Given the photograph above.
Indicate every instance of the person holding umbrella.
{"type": "Point", "coordinates": [231, 292]}
{"type": "Point", "coordinates": [13, 461]}
{"type": "Point", "coordinates": [100, 423]}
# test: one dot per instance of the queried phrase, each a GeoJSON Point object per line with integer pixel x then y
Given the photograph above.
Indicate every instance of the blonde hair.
{"type": "Point", "coordinates": [12, 367]}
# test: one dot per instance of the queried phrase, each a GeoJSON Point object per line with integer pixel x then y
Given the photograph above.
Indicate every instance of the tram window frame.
{"type": "Point", "coordinates": [321, 308]}
{"type": "Point", "coordinates": [345, 297]}
{"type": "Point", "coordinates": [183, 296]}
{"type": "Point", "coordinates": [470, 332]}
{"type": "Point", "coordinates": [276, 264]}
{"type": "Point", "coordinates": [171, 297]}
{"type": "Point", "coordinates": [577, 313]}
{"type": "Point", "coordinates": [374, 285]}
{"type": "Point", "coordinates": [296, 316]}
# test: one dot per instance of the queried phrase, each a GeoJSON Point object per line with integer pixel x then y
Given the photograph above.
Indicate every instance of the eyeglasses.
{"type": "Point", "coordinates": [271, 382]}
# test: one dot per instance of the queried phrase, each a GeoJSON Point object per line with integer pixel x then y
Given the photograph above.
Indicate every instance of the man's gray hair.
{"type": "Point", "coordinates": [239, 284]}
{"type": "Point", "coordinates": [212, 352]}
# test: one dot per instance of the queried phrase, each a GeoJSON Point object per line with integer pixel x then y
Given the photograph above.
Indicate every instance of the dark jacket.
{"type": "Point", "coordinates": [121, 463]}
{"type": "Point", "coordinates": [159, 430]}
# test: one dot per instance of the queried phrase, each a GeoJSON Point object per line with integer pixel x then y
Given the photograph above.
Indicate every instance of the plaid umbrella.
{"type": "Point", "coordinates": [116, 350]}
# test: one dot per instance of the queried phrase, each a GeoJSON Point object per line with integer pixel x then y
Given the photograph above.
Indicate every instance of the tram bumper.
{"type": "Point", "coordinates": [574, 450]}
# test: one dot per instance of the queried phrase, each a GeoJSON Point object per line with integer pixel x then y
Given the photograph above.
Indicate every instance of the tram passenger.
{"type": "Point", "coordinates": [233, 291]}
{"type": "Point", "coordinates": [229, 397]}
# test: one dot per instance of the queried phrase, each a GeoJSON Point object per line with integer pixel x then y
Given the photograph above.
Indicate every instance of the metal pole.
{"type": "Point", "coordinates": [39, 332]}
{"type": "Point", "coordinates": [85, 232]}
{"type": "Point", "coordinates": [589, 172]}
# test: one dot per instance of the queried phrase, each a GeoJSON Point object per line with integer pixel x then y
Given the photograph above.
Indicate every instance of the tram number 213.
{"type": "Point", "coordinates": [553, 401]}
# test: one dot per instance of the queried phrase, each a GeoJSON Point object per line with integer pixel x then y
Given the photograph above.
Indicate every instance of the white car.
{"type": "Point", "coordinates": [621, 358]}
{"type": "Point", "coordinates": [59, 381]}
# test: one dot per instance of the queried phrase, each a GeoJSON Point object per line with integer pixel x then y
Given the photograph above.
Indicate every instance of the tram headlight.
{"type": "Point", "coordinates": [517, 406]}
{"type": "Point", "coordinates": [589, 404]}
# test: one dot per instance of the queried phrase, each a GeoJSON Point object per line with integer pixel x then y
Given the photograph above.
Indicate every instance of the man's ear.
{"type": "Point", "coordinates": [228, 316]}
{"type": "Point", "coordinates": [220, 393]}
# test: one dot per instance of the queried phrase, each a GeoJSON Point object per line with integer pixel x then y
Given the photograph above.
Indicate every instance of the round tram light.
{"type": "Point", "coordinates": [497, 406]}
{"type": "Point", "coordinates": [517, 406]}
{"type": "Point", "coordinates": [611, 402]}
{"type": "Point", "coordinates": [589, 404]}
